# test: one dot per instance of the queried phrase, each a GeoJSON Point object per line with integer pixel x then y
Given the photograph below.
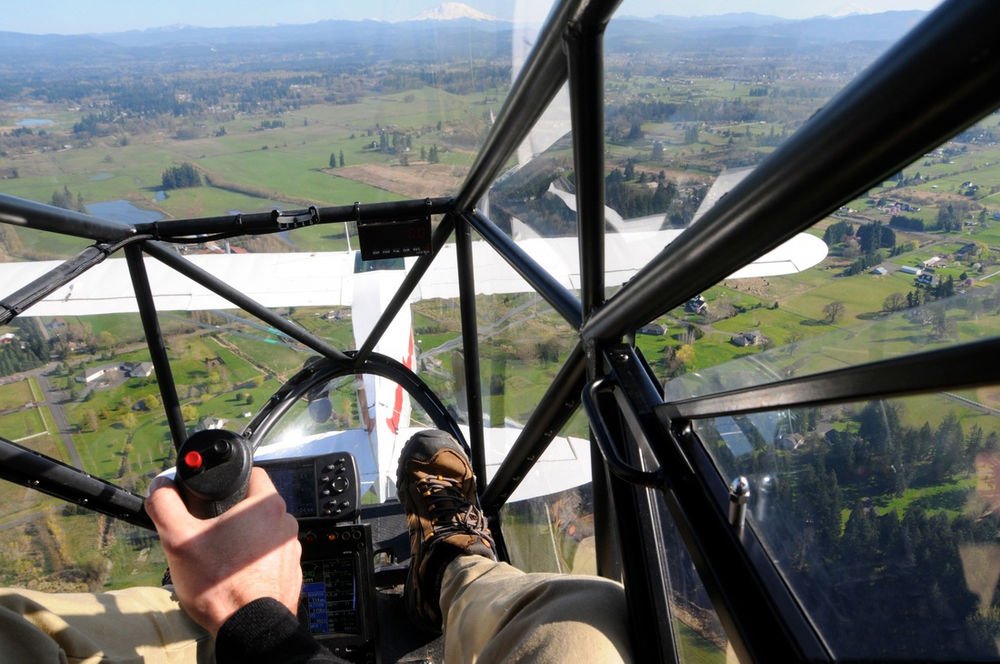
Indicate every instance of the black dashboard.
{"type": "Point", "coordinates": [337, 603]}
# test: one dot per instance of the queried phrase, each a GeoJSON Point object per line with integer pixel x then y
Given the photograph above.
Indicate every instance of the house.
{"type": "Point", "coordinates": [654, 329]}
{"type": "Point", "coordinates": [7, 338]}
{"type": "Point", "coordinates": [909, 269]}
{"type": "Point", "coordinates": [136, 369]}
{"type": "Point", "coordinates": [696, 305]}
{"type": "Point", "coordinates": [213, 423]}
{"type": "Point", "coordinates": [90, 375]}
{"type": "Point", "coordinates": [932, 262]}
{"type": "Point", "coordinates": [880, 271]}
{"type": "Point", "coordinates": [747, 339]}
{"type": "Point", "coordinates": [924, 279]}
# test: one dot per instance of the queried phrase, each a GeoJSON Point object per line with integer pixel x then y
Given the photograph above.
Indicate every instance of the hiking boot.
{"type": "Point", "coordinates": [438, 491]}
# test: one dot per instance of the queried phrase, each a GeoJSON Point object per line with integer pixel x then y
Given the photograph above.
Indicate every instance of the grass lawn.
{"type": "Point", "coordinates": [948, 497]}
{"type": "Point", "coordinates": [15, 395]}
{"type": "Point", "coordinates": [21, 424]}
{"type": "Point", "coordinates": [240, 371]}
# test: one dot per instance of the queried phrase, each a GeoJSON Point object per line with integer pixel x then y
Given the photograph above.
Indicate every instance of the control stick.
{"type": "Point", "coordinates": [213, 471]}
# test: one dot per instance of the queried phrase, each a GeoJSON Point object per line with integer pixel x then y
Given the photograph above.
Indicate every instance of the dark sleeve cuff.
{"type": "Point", "coordinates": [265, 631]}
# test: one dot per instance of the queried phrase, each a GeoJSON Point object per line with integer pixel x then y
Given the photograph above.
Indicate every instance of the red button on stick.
{"type": "Point", "coordinates": [193, 459]}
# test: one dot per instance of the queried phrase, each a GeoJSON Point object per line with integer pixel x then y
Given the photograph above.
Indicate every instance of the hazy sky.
{"type": "Point", "coordinates": [74, 16]}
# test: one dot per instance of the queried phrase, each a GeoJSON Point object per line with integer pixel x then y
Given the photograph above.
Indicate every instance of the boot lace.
{"type": "Point", "coordinates": [449, 510]}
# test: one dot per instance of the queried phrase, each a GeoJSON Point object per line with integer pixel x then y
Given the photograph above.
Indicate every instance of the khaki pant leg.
{"type": "Point", "coordinates": [496, 613]}
{"type": "Point", "coordinates": [124, 626]}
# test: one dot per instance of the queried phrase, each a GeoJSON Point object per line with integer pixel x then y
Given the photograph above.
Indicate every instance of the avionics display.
{"type": "Point", "coordinates": [297, 485]}
{"type": "Point", "coordinates": [337, 587]}
{"type": "Point", "coordinates": [319, 486]}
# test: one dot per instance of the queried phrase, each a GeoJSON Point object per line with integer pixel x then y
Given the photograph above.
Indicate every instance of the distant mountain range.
{"type": "Point", "coordinates": [452, 30]}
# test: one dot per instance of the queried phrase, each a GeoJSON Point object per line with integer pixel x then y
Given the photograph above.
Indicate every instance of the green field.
{"type": "Point", "coordinates": [15, 395]}
{"type": "Point", "coordinates": [22, 424]}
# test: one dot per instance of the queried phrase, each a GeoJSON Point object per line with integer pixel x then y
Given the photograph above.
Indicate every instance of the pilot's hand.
{"type": "Point", "coordinates": [219, 565]}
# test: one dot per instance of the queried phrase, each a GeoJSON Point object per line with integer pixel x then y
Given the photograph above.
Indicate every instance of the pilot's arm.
{"type": "Point", "coordinates": [238, 575]}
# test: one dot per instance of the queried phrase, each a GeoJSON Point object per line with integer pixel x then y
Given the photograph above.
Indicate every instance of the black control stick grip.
{"type": "Point", "coordinates": [213, 471]}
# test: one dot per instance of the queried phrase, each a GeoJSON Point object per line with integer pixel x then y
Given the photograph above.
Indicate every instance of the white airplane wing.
{"type": "Point", "coordinates": [326, 278]}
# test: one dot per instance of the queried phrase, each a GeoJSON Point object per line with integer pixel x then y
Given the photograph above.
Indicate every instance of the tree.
{"type": "Point", "coordinates": [90, 420]}
{"type": "Point", "coordinates": [657, 151]}
{"type": "Point", "coordinates": [836, 232]}
{"type": "Point", "coordinates": [189, 412]}
{"type": "Point", "coordinates": [685, 355]}
{"type": "Point", "coordinates": [341, 158]}
{"type": "Point", "coordinates": [893, 302]}
{"type": "Point", "coordinates": [333, 160]}
{"type": "Point", "coordinates": [129, 420]}
{"type": "Point", "coordinates": [833, 311]}
{"type": "Point", "coordinates": [105, 340]}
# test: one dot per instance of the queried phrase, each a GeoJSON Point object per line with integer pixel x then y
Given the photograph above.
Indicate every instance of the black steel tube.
{"type": "Point", "coordinates": [49, 282]}
{"type": "Point", "coordinates": [558, 297]}
{"type": "Point", "coordinates": [42, 217]}
{"type": "Point", "coordinates": [941, 77]}
{"type": "Point", "coordinates": [762, 619]}
{"type": "Point", "coordinates": [540, 79]}
{"type": "Point", "coordinates": [410, 282]}
{"type": "Point", "coordinates": [585, 63]}
{"type": "Point", "coordinates": [268, 222]}
{"type": "Point", "coordinates": [536, 85]}
{"type": "Point", "coordinates": [37, 471]}
{"type": "Point", "coordinates": [554, 410]}
{"type": "Point", "coordinates": [470, 350]}
{"type": "Point", "coordinates": [155, 342]}
{"type": "Point", "coordinates": [195, 273]}
{"type": "Point", "coordinates": [952, 368]}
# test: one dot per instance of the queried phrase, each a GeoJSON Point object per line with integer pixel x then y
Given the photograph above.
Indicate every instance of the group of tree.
{"type": "Point", "coordinates": [869, 240]}
{"type": "Point", "coordinates": [66, 199]}
{"type": "Point", "coordinates": [905, 223]}
{"type": "Point", "coordinates": [180, 177]}
{"type": "Point", "coordinates": [875, 236]}
{"type": "Point", "coordinates": [334, 159]}
{"type": "Point", "coordinates": [904, 560]}
{"type": "Point", "coordinates": [631, 196]}
{"type": "Point", "coordinates": [27, 350]}
{"type": "Point", "coordinates": [951, 215]}
{"type": "Point", "coordinates": [96, 124]}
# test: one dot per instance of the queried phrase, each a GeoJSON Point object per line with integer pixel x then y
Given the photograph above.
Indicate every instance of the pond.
{"type": "Point", "coordinates": [34, 122]}
{"type": "Point", "coordinates": [122, 210]}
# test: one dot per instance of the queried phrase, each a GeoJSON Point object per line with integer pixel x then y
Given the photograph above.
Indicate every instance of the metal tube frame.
{"type": "Point", "coordinates": [470, 350]}
{"type": "Point", "coordinates": [937, 80]}
{"type": "Point", "coordinates": [558, 297]}
{"type": "Point", "coordinates": [156, 344]}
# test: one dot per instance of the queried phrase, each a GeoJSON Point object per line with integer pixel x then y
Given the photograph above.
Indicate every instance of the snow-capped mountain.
{"type": "Point", "coordinates": [450, 11]}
